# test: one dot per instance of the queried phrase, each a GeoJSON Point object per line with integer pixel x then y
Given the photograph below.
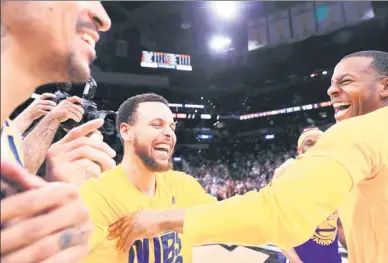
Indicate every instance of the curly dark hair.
{"type": "Point", "coordinates": [127, 110]}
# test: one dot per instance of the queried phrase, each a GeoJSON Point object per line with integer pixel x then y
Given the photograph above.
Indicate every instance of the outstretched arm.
{"type": "Point", "coordinates": [285, 213]}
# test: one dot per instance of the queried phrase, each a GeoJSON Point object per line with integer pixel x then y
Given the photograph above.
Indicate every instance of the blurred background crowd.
{"type": "Point", "coordinates": [227, 170]}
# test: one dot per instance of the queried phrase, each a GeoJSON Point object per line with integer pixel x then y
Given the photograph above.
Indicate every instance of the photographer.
{"type": "Point", "coordinates": [41, 221]}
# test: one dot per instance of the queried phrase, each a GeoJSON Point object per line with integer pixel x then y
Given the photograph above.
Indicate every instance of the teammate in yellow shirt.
{"type": "Point", "coordinates": [144, 180]}
{"type": "Point", "coordinates": [346, 170]}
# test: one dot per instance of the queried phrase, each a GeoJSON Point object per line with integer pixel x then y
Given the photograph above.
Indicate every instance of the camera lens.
{"type": "Point", "coordinates": [109, 118]}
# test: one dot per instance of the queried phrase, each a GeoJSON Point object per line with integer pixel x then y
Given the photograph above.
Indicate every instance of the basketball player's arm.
{"type": "Point", "coordinates": [285, 213]}
{"type": "Point", "coordinates": [341, 234]}
{"type": "Point", "coordinates": [38, 141]}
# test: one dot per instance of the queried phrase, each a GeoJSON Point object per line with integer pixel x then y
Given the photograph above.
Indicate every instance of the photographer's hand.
{"type": "Point", "coordinates": [77, 157]}
{"type": "Point", "coordinates": [38, 108]}
{"type": "Point", "coordinates": [68, 109]}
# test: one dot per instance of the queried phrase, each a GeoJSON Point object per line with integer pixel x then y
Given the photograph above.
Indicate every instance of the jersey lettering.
{"type": "Point", "coordinates": [167, 249]}
{"type": "Point", "coordinates": [326, 232]}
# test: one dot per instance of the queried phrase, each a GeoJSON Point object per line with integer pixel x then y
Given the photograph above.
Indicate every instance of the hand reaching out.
{"type": "Point", "coordinates": [77, 157]}
{"type": "Point", "coordinates": [142, 224]}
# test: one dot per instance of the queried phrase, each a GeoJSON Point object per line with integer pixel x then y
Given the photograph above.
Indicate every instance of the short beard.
{"type": "Point", "coordinates": [75, 71]}
{"type": "Point", "coordinates": [148, 160]}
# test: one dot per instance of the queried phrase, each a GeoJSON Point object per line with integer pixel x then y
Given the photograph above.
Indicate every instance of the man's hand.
{"type": "Point", "coordinates": [14, 179]}
{"type": "Point", "coordinates": [77, 157]}
{"type": "Point", "coordinates": [68, 109]}
{"type": "Point", "coordinates": [142, 224]}
{"type": "Point", "coordinates": [38, 108]}
{"type": "Point", "coordinates": [41, 106]}
{"type": "Point", "coordinates": [46, 224]}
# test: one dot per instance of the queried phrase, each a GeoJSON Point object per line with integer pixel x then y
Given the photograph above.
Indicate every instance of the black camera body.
{"type": "Point", "coordinates": [90, 108]}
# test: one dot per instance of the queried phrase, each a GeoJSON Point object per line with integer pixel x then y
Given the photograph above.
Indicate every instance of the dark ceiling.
{"type": "Point", "coordinates": [132, 5]}
{"type": "Point", "coordinates": [158, 26]}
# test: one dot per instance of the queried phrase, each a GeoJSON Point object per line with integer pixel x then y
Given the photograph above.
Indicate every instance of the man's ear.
{"type": "Point", "coordinates": [384, 92]}
{"type": "Point", "coordinates": [126, 132]}
{"type": "Point", "coordinates": [299, 150]}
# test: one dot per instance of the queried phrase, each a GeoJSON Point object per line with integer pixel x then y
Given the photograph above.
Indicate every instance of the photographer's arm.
{"type": "Point", "coordinates": [39, 140]}
{"type": "Point", "coordinates": [23, 121]}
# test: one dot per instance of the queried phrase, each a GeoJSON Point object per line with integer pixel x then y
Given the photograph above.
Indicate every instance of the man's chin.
{"type": "Point", "coordinates": [162, 166]}
{"type": "Point", "coordinates": [79, 72]}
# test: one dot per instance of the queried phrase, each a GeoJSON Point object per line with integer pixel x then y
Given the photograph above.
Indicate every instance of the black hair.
{"type": "Point", "coordinates": [127, 110]}
{"type": "Point", "coordinates": [380, 59]}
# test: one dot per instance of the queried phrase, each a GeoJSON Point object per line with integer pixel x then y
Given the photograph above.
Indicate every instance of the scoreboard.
{"type": "Point", "coordinates": [150, 59]}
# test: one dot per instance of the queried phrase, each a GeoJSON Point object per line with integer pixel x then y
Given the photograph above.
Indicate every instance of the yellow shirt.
{"type": "Point", "coordinates": [112, 196]}
{"type": "Point", "coordinates": [11, 143]}
{"type": "Point", "coordinates": [326, 232]}
{"type": "Point", "coordinates": [347, 169]}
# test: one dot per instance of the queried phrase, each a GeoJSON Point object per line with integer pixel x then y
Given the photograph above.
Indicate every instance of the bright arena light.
{"type": "Point", "coordinates": [219, 43]}
{"type": "Point", "coordinates": [225, 9]}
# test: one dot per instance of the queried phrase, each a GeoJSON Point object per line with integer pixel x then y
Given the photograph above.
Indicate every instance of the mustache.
{"type": "Point", "coordinates": [87, 24]}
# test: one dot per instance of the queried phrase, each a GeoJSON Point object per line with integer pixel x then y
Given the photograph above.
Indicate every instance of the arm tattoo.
{"type": "Point", "coordinates": [37, 143]}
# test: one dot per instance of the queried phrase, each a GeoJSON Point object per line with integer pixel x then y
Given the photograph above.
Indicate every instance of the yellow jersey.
{"type": "Point", "coordinates": [346, 169]}
{"type": "Point", "coordinates": [326, 233]}
{"type": "Point", "coordinates": [11, 143]}
{"type": "Point", "coordinates": [112, 196]}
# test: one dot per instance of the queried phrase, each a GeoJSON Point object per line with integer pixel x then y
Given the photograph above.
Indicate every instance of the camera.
{"type": "Point", "coordinates": [90, 107]}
